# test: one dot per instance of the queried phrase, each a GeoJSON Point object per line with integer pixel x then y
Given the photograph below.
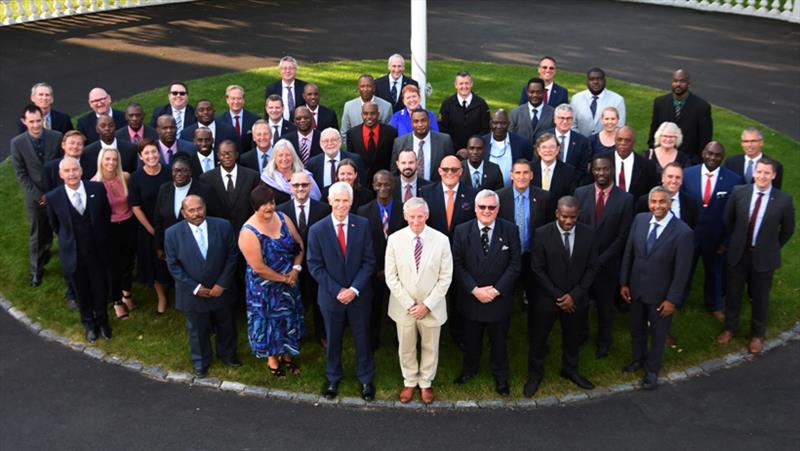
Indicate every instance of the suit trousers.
{"type": "Point", "coordinates": [541, 319]}
{"type": "Point", "coordinates": [642, 314]}
{"type": "Point", "coordinates": [123, 250]}
{"type": "Point", "coordinates": [418, 372]}
{"type": "Point", "coordinates": [357, 316]}
{"type": "Point", "coordinates": [604, 290]}
{"type": "Point", "coordinates": [308, 291]}
{"type": "Point", "coordinates": [90, 282]}
{"type": "Point", "coordinates": [40, 237]}
{"type": "Point", "coordinates": [713, 267]}
{"type": "Point", "coordinates": [759, 285]}
{"type": "Point", "coordinates": [498, 346]}
{"type": "Point", "coordinates": [380, 299]}
{"type": "Point", "coordinates": [199, 326]}
{"type": "Point", "coordinates": [526, 279]}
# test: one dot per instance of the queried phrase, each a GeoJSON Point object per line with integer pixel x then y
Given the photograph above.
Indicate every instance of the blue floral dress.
{"type": "Point", "coordinates": [274, 309]}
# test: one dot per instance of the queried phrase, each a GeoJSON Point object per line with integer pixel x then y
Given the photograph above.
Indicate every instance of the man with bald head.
{"type": "Point", "coordinates": [107, 139]}
{"type": "Point", "coordinates": [322, 116]}
{"type": "Point", "coordinates": [100, 103]}
{"type": "Point", "coordinates": [633, 173]}
{"type": "Point", "coordinates": [690, 112]}
{"type": "Point", "coordinates": [502, 147]}
{"type": "Point", "coordinates": [390, 86]}
{"type": "Point", "coordinates": [351, 115]}
{"type": "Point", "coordinates": [304, 138]}
{"type": "Point", "coordinates": [168, 142]}
{"type": "Point", "coordinates": [371, 140]}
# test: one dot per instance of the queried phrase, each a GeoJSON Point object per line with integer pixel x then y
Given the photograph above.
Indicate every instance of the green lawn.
{"type": "Point", "coordinates": [161, 340]}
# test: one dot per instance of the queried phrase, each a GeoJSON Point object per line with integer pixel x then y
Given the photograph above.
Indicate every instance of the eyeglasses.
{"type": "Point", "coordinates": [178, 93]}
{"type": "Point", "coordinates": [547, 67]}
{"type": "Point", "coordinates": [101, 99]}
{"type": "Point", "coordinates": [301, 185]}
{"type": "Point", "coordinates": [563, 118]}
{"type": "Point", "coordinates": [451, 170]}
{"type": "Point", "coordinates": [487, 207]}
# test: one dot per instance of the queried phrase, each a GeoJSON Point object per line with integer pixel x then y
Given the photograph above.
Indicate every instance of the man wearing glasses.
{"type": "Point", "coordinates": [554, 94]}
{"type": "Point", "coordinates": [574, 147]}
{"type": "Point", "coordinates": [178, 107]}
{"type": "Point", "coordinates": [100, 102]}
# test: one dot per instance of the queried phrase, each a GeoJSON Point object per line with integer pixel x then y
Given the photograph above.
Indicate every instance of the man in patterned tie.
{"type": "Point", "coordinates": [479, 171]}
{"type": "Point", "coordinates": [391, 85]}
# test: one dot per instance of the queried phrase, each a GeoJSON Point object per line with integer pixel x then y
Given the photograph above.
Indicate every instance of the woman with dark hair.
{"type": "Point", "coordinates": [273, 251]}
{"type": "Point", "coordinates": [348, 172]}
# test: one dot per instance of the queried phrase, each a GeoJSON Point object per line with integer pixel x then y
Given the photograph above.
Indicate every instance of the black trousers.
{"type": "Point", "coordinates": [123, 252]}
{"type": "Point", "coordinates": [90, 282]}
{"type": "Point", "coordinates": [541, 319]}
{"type": "Point", "coordinates": [641, 315]}
{"type": "Point", "coordinates": [199, 326]}
{"type": "Point", "coordinates": [604, 291]}
{"type": "Point", "coordinates": [308, 290]}
{"type": "Point", "coordinates": [40, 236]}
{"type": "Point", "coordinates": [380, 300]}
{"type": "Point", "coordinates": [759, 285]}
{"type": "Point", "coordinates": [526, 279]}
{"type": "Point", "coordinates": [498, 346]}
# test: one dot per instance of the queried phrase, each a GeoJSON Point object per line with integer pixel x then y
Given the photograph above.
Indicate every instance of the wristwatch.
{"type": "Point", "coordinates": [299, 268]}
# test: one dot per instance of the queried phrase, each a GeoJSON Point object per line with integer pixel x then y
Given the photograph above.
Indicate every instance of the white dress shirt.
{"type": "Point", "coordinates": [427, 148]}
{"type": "Point", "coordinates": [704, 176]}
{"type": "Point", "coordinates": [618, 163]}
{"type": "Point", "coordinates": [761, 210]}
{"type": "Point", "coordinates": [500, 154]}
{"type": "Point", "coordinates": [71, 194]}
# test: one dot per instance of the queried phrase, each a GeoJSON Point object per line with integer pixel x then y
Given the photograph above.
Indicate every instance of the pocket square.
{"type": "Point", "coordinates": [91, 195]}
{"type": "Point", "coordinates": [504, 248]}
{"type": "Point", "coordinates": [721, 194]}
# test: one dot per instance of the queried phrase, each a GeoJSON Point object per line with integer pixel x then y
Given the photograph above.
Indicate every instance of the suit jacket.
{"type": "Point", "coordinates": [235, 207]}
{"type": "Point", "coordinates": [383, 89]}
{"type": "Point", "coordinates": [315, 149]}
{"type": "Point", "coordinates": [521, 148]}
{"type": "Point", "coordinates": [557, 95]}
{"type": "Point", "coordinates": [316, 211]}
{"type": "Point", "coordinates": [334, 271]}
{"type": "Point", "coordinates": [441, 146]}
{"type": "Point", "coordinates": [581, 103]}
{"type": "Point", "coordinates": [643, 177]}
{"type": "Point", "coordinates": [87, 124]}
{"type": "Point", "coordinates": [326, 118]}
{"type": "Point", "coordinates": [189, 117]}
{"type": "Point", "coordinates": [491, 176]}
{"type": "Point", "coordinates": [372, 212]}
{"type": "Point", "coordinates": [562, 180]}
{"type": "Point", "coordinates": [612, 230]}
{"type": "Point", "coordinates": [59, 208]}
{"type": "Point", "coordinates": [664, 274]}
{"type": "Point", "coordinates": [428, 285]}
{"type": "Point", "coordinates": [579, 153]}
{"type": "Point", "coordinates": [164, 213]}
{"type": "Point", "coordinates": [246, 120]}
{"type": "Point", "coordinates": [461, 124]}
{"type": "Point", "coordinates": [558, 273]}
{"type": "Point", "coordinates": [59, 122]}
{"type": "Point", "coordinates": [197, 166]}
{"type": "Point", "coordinates": [398, 193]}
{"type": "Point", "coordinates": [777, 227]}
{"type": "Point", "coordinates": [736, 164]}
{"type": "Point", "coordinates": [351, 113]}
{"type": "Point", "coordinates": [463, 209]}
{"type": "Point", "coordinates": [285, 128]}
{"type": "Point", "coordinates": [123, 135]}
{"type": "Point", "coordinates": [27, 166]}
{"type": "Point", "coordinates": [319, 164]}
{"type": "Point", "coordinates": [189, 269]}
{"type": "Point", "coordinates": [51, 179]}
{"type": "Point", "coordinates": [521, 121]}
{"type": "Point", "coordinates": [695, 123]}
{"type": "Point", "coordinates": [499, 268]}
{"type": "Point", "coordinates": [277, 88]}
{"type": "Point", "coordinates": [540, 207]}
{"type": "Point", "coordinates": [690, 208]}
{"type": "Point", "coordinates": [710, 230]}
{"type": "Point", "coordinates": [221, 133]}
{"type": "Point", "coordinates": [373, 161]}
{"type": "Point", "coordinates": [183, 146]}
{"type": "Point", "coordinates": [129, 155]}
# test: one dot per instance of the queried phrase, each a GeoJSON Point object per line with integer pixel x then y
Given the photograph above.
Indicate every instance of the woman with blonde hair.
{"type": "Point", "coordinates": [282, 164]}
{"type": "Point", "coordinates": [667, 138]}
{"type": "Point", "coordinates": [603, 141]}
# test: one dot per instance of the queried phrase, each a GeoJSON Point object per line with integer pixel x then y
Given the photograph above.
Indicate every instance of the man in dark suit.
{"type": "Point", "coordinates": [106, 132]}
{"type": "Point", "coordinates": [29, 151]}
{"type": "Point", "coordinates": [325, 165]}
{"type": "Point", "coordinates": [43, 97]}
{"type": "Point", "coordinates": [752, 147]}
{"type": "Point", "coordinates": [609, 211]}
{"type": "Point", "coordinates": [550, 173]}
{"type": "Point", "coordinates": [390, 86]}
{"type": "Point", "coordinates": [178, 107]}
{"type": "Point", "coordinates": [80, 214]}
{"type": "Point", "coordinates": [486, 263]}
{"type": "Point", "coordinates": [574, 147]}
{"type": "Point", "coordinates": [634, 173]}
{"type": "Point", "coordinates": [238, 118]}
{"type": "Point", "coordinates": [534, 117]}
{"type": "Point", "coordinates": [204, 159]}
{"type": "Point", "coordinates": [257, 157]}
{"type": "Point", "coordinates": [655, 271]}
{"type": "Point", "coordinates": [201, 256]}
{"type": "Point", "coordinates": [564, 260]}
{"type": "Point", "coordinates": [430, 146]}
{"type": "Point", "coordinates": [385, 215]}
{"type": "Point", "coordinates": [305, 139]}
{"type": "Point", "coordinates": [341, 259]}
{"type": "Point", "coordinates": [205, 119]}
{"type": "Point", "coordinates": [168, 144]}
{"type": "Point", "coordinates": [554, 94]}
{"type": "Point", "coordinates": [712, 184]}
{"type": "Point", "coordinates": [478, 172]}
{"type": "Point", "coordinates": [503, 148]}
{"type": "Point", "coordinates": [232, 184]}
{"type": "Point", "coordinates": [760, 219]}
{"type": "Point", "coordinates": [136, 129]}
{"type": "Point", "coordinates": [691, 113]}
{"type": "Point", "coordinates": [372, 141]}
{"type": "Point", "coordinates": [72, 146]}
{"type": "Point", "coordinates": [100, 102]}
{"type": "Point", "coordinates": [289, 88]}
{"type": "Point", "coordinates": [450, 201]}
{"type": "Point", "coordinates": [305, 212]}
{"type": "Point", "coordinates": [684, 207]}
{"type": "Point", "coordinates": [407, 184]}
{"type": "Point", "coordinates": [464, 113]}
{"type": "Point", "coordinates": [278, 126]}
{"type": "Point", "coordinates": [322, 117]}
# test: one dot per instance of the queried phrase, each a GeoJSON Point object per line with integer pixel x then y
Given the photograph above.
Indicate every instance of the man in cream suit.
{"type": "Point", "coordinates": [419, 268]}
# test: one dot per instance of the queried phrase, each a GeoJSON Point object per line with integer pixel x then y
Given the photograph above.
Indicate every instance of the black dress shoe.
{"type": "Point", "coordinates": [463, 378]}
{"type": "Point", "coordinates": [501, 387]}
{"type": "Point", "coordinates": [105, 332]}
{"type": "Point", "coordinates": [331, 390]}
{"type": "Point", "coordinates": [91, 335]}
{"type": "Point", "coordinates": [650, 381]}
{"type": "Point", "coordinates": [578, 380]}
{"type": "Point", "coordinates": [531, 386]}
{"type": "Point", "coordinates": [233, 362]}
{"type": "Point", "coordinates": [201, 373]}
{"type": "Point", "coordinates": [72, 304]}
{"type": "Point", "coordinates": [368, 392]}
{"type": "Point", "coordinates": [633, 367]}
{"type": "Point", "coordinates": [36, 279]}
{"type": "Point", "coordinates": [602, 351]}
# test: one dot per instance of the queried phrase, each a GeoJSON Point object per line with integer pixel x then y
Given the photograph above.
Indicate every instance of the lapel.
{"type": "Point", "coordinates": [558, 238]}
{"type": "Point", "coordinates": [614, 197]}
{"type": "Point", "coordinates": [496, 243]}
{"type": "Point", "coordinates": [351, 235]}
{"type": "Point", "coordinates": [426, 252]}
{"type": "Point", "coordinates": [668, 231]}
{"type": "Point", "coordinates": [188, 237]}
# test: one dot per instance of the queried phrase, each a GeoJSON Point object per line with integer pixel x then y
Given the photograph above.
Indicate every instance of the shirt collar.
{"type": "Point", "coordinates": [523, 194]}
{"type": "Point", "coordinates": [336, 221]}
{"type": "Point", "coordinates": [481, 225]}
{"type": "Point", "coordinates": [81, 189]}
{"type": "Point", "coordinates": [462, 99]}
{"type": "Point", "coordinates": [203, 226]}
{"type": "Point", "coordinates": [664, 221]}
{"type": "Point", "coordinates": [706, 171]}
{"type": "Point", "coordinates": [562, 231]}
{"type": "Point", "coordinates": [233, 172]}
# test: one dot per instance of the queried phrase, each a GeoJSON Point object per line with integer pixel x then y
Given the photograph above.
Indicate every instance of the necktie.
{"type": "Point", "coordinates": [563, 148]}
{"type": "Point", "coordinates": [651, 239]}
{"type": "Point", "coordinates": [206, 164]}
{"type": "Point", "coordinates": [566, 244]}
{"type": "Point", "coordinates": [544, 99]}
{"type": "Point", "coordinates": [371, 141]}
{"type": "Point", "coordinates": [450, 204]}
{"type": "Point", "coordinates": [485, 240]}
{"type": "Point", "coordinates": [534, 120]}
{"type": "Point", "coordinates": [264, 160]}
{"type": "Point", "coordinates": [229, 185]}
{"type": "Point", "coordinates": [421, 159]}
{"type": "Point", "coordinates": [169, 155]}
{"type": "Point", "coordinates": [304, 153]}
{"type": "Point", "coordinates": [599, 206]}
{"type": "Point", "coordinates": [417, 251]}
{"type": "Point", "coordinates": [519, 218]}
{"type": "Point", "coordinates": [394, 91]}
{"type": "Point", "coordinates": [593, 106]}
{"type": "Point", "coordinates": [385, 223]}
{"type": "Point", "coordinates": [476, 179]}
{"type": "Point", "coordinates": [621, 180]}
{"type": "Point", "coordinates": [76, 201]}
{"type": "Point", "coordinates": [707, 191]}
{"type": "Point", "coordinates": [748, 172]}
{"type": "Point", "coordinates": [275, 135]}
{"type": "Point", "coordinates": [302, 223]}
{"type": "Point", "coordinates": [290, 100]}
{"type": "Point", "coordinates": [237, 126]}
{"type": "Point", "coordinates": [201, 242]}
{"type": "Point", "coordinates": [342, 242]}
{"type": "Point", "coordinates": [546, 179]}
{"type": "Point", "coordinates": [314, 120]}
{"type": "Point", "coordinates": [407, 195]}
{"type": "Point", "coordinates": [136, 138]}
{"type": "Point", "coordinates": [751, 226]}
{"type": "Point", "coordinates": [677, 107]}
{"type": "Point", "coordinates": [464, 104]}
{"type": "Point", "coordinates": [47, 123]}
{"type": "Point", "coordinates": [333, 170]}
{"type": "Point", "coordinates": [179, 121]}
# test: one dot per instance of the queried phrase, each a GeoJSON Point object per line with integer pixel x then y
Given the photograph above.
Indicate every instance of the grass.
{"type": "Point", "coordinates": [161, 340]}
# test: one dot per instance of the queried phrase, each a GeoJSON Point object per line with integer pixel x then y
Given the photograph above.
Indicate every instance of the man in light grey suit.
{"type": "Point", "coordinates": [590, 103]}
{"type": "Point", "coordinates": [534, 117]}
{"type": "Point", "coordinates": [430, 146]}
{"type": "Point", "coordinates": [29, 151]}
{"type": "Point", "coordinates": [351, 115]}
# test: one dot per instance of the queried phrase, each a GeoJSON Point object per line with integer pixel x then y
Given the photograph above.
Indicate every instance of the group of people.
{"type": "Point", "coordinates": [427, 218]}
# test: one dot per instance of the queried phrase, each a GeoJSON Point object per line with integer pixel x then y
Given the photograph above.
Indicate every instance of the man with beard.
{"type": "Point", "coordinates": [590, 103]}
{"type": "Point", "coordinates": [371, 140]}
{"type": "Point", "coordinates": [408, 184]}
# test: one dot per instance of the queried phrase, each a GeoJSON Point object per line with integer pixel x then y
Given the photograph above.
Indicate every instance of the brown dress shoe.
{"type": "Point", "coordinates": [756, 345]}
{"type": "Point", "coordinates": [406, 393]}
{"type": "Point", "coordinates": [718, 315]}
{"type": "Point", "coordinates": [725, 337]}
{"type": "Point", "coordinates": [427, 395]}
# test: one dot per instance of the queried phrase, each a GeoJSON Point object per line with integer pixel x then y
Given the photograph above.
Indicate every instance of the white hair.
{"type": "Point", "coordinates": [487, 193]}
{"type": "Point", "coordinates": [415, 202]}
{"type": "Point", "coordinates": [339, 188]}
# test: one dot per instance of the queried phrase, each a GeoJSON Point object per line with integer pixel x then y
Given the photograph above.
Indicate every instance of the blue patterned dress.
{"type": "Point", "coordinates": [274, 309]}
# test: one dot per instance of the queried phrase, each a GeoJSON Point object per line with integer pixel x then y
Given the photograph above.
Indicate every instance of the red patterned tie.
{"type": "Point", "coordinates": [417, 251]}
{"type": "Point", "coordinates": [342, 242]}
{"type": "Point", "coordinates": [237, 126]}
{"type": "Point", "coordinates": [598, 208]}
{"type": "Point", "coordinates": [621, 183]}
{"type": "Point", "coordinates": [751, 226]}
{"type": "Point", "coordinates": [707, 191]}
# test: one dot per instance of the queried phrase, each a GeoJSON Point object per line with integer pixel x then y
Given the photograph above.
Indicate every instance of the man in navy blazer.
{"type": "Point", "coordinates": [655, 271]}
{"type": "Point", "coordinates": [238, 118]}
{"type": "Point", "coordinates": [205, 118]}
{"type": "Point", "coordinates": [341, 260]}
{"type": "Point", "coordinates": [80, 215]}
{"type": "Point", "coordinates": [561, 175]}
{"type": "Point", "coordinates": [177, 107]}
{"type": "Point", "coordinates": [304, 131]}
{"type": "Point", "coordinates": [573, 147]}
{"type": "Point", "coordinates": [477, 171]}
{"type": "Point", "coordinates": [136, 129]}
{"type": "Point", "coordinates": [435, 194]}
{"type": "Point", "coordinates": [289, 87]}
{"type": "Point", "coordinates": [201, 256]}
{"type": "Point", "coordinates": [320, 165]}
{"type": "Point", "coordinates": [554, 94]}
{"type": "Point", "coordinates": [498, 143]}
{"type": "Point", "coordinates": [390, 86]}
{"type": "Point", "coordinates": [106, 129]}
{"type": "Point", "coordinates": [322, 116]}
{"type": "Point", "coordinates": [100, 102]}
{"type": "Point", "coordinates": [711, 236]}
{"type": "Point", "coordinates": [168, 144]}
{"type": "Point", "coordinates": [752, 148]}
{"type": "Point", "coordinates": [42, 96]}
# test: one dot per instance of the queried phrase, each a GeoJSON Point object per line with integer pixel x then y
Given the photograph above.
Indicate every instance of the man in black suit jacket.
{"type": "Point", "coordinates": [136, 129]}
{"type": "Point", "coordinates": [634, 173]}
{"type": "Point", "coordinates": [385, 215]}
{"type": "Point", "coordinates": [100, 102]}
{"type": "Point", "coordinates": [656, 268]}
{"type": "Point", "coordinates": [257, 157]}
{"type": "Point", "coordinates": [573, 147]}
{"type": "Point", "coordinates": [238, 118]}
{"type": "Point", "coordinates": [407, 184]}
{"type": "Point", "coordinates": [273, 113]}
{"type": "Point", "coordinates": [752, 147]}
{"type": "Point", "coordinates": [289, 88]}
{"type": "Point", "coordinates": [554, 94]}
{"type": "Point", "coordinates": [761, 221]}
{"type": "Point", "coordinates": [305, 212]}
{"type": "Point", "coordinates": [201, 256]}
{"type": "Point", "coordinates": [432, 145]}
{"type": "Point", "coordinates": [609, 211]}
{"type": "Point", "coordinates": [178, 107]}
{"type": "Point", "coordinates": [322, 116]}
{"type": "Point", "coordinates": [232, 184]}
{"type": "Point", "coordinates": [80, 214]}
{"type": "Point", "coordinates": [72, 146]}
{"type": "Point", "coordinates": [305, 133]}
{"type": "Point", "coordinates": [564, 260]}
{"type": "Point", "coordinates": [106, 129]}
{"type": "Point", "coordinates": [390, 86]}
{"type": "Point", "coordinates": [168, 144]}
{"type": "Point", "coordinates": [372, 141]}
{"type": "Point", "coordinates": [464, 113]}
{"type": "Point", "coordinates": [463, 198]}
{"type": "Point", "coordinates": [498, 143]}
{"type": "Point", "coordinates": [478, 172]}
{"type": "Point", "coordinates": [684, 206]}
{"type": "Point", "coordinates": [486, 263]}
{"type": "Point", "coordinates": [43, 97]}
{"type": "Point", "coordinates": [320, 166]}
{"type": "Point", "coordinates": [205, 118]}
{"type": "Point", "coordinates": [550, 173]}
{"type": "Point", "coordinates": [204, 159]}
{"type": "Point", "coordinates": [691, 113]}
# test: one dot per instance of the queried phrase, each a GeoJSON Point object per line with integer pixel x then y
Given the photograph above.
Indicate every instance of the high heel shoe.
{"type": "Point", "coordinates": [290, 366]}
{"type": "Point", "coordinates": [121, 311]}
{"type": "Point", "coordinates": [276, 372]}
{"type": "Point", "coordinates": [127, 299]}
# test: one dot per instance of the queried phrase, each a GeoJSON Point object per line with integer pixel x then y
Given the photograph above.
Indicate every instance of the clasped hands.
{"type": "Point", "coordinates": [291, 277]}
{"type": "Point", "coordinates": [418, 311]}
{"type": "Point", "coordinates": [485, 294]}
{"type": "Point", "coordinates": [213, 292]}
{"type": "Point", "coordinates": [346, 295]}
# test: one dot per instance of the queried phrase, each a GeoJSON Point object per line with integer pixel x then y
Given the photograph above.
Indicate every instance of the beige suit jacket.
{"type": "Point", "coordinates": [428, 285]}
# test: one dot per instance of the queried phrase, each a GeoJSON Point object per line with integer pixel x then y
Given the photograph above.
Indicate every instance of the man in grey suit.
{"type": "Point", "coordinates": [656, 268]}
{"type": "Point", "coordinates": [351, 115]}
{"type": "Point", "coordinates": [430, 146]}
{"type": "Point", "coordinates": [535, 116]}
{"type": "Point", "coordinates": [29, 151]}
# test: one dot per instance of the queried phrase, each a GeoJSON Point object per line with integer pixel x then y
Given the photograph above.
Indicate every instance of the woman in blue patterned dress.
{"type": "Point", "coordinates": [273, 250]}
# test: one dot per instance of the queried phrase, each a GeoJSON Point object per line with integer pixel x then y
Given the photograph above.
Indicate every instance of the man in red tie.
{"type": "Point", "coordinates": [371, 140]}
{"type": "Point", "coordinates": [239, 118]}
{"type": "Point", "coordinates": [634, 173]}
